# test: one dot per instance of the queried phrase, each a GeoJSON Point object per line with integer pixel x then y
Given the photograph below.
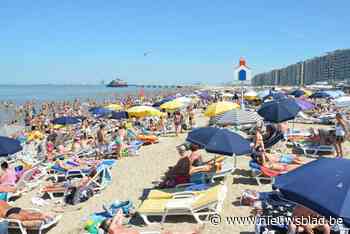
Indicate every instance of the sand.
{"type": "Point", "coordinates": [132, 175]}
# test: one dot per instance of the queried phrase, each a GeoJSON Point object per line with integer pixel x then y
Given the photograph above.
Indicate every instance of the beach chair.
{"type": "Point", "coordinates": [98, 182]}
{"type": "Point", "coordinates": [27, 182]}
{"type": "Point", "coordinates": [134, 147]}
{"type": "Point", "coordinates": [260, 173]}
{"type": "Point", "coordinates": [313, 150]}
{"type": "Point", "coordinates": [31, 226]}
{"type": "Point", "coordinates": [200, 205]}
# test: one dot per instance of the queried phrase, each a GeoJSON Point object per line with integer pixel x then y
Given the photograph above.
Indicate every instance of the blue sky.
{"type": "Point", "coordinates": [188, 41]}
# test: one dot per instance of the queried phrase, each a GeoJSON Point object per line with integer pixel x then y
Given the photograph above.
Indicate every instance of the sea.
{"type": "Point", "coordinates": [19, 94]}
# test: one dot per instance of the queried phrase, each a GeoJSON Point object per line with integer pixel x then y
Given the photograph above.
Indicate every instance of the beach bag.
{"type": "Point", "coordinates": [199, 178]}
{"type": "Point", "coordinates": [249, 197]}
{"type": "Point", "coordinates": [77, 195]}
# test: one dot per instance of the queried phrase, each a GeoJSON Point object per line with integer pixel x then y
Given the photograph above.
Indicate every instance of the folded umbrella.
{"type": "Point", "coordinates": [9, 146]}
{"type": "Point", "coordinates": [322, 185]}
{"type": "Point", "coordinates": [219, 141]}
{"type": "Point", "coordinates": [278, 111]}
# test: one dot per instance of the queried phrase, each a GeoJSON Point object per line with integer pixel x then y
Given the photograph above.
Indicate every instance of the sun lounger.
{"type": "Point", "coordinates": [98, 182]}
{"type": "Point", "coordinates": [206, 203]}
{"type": "Point", "coordinates": [312, 149]}
{"type": "Point", "coordinates": [29, 226]}
{"type": "Point", "coordinates": [260, 173]}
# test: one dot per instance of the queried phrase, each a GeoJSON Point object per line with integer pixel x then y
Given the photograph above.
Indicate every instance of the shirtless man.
{"type": "Point", "coordinates": [300, 212]}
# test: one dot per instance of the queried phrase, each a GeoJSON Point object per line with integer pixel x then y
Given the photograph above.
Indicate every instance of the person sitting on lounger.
{"type": "Point", "coordinates": [301, 213]}
{"type": "Point", "coordinates": [115, 226]}
{"type": "Point", "coordinates": [7, 179]}
{"type": "Point", "coordinates": [10, 212]}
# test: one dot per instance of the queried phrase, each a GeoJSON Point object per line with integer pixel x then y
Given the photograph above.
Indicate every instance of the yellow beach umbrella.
{"type": "Point", "coordinates": [308, 93]}
{"type": "Point", "coordinates": [219, 108]}
{"type": "Point", "coordinates": [251, 96]}
{"type": "Point", "coordinates": [114, 107]}
{"type": "Point", "coordinates": [172, 105]}
{"type": "Point", "coordinates": [143, 111]}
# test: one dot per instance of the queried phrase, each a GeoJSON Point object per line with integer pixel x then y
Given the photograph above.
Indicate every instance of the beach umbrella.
{"type": "Point", "coordinates": [279, 110]}
{"type": "Point", "coordinates": [304, 105]}
{"type": "Point", "coordinates": [342, 102]}
{"type": "Point", "coordinates": [262, 94]}
{"type": "Point", "coordinates": [275, 96]}
{"type": "Point", "coordinates": [185, 100]}
{"type": "Point", "coordinates": [143, 111]}
{"type": "Point", "coordinates": [298, 93]}
{"type": "Point", "coordinates": [320, 94]}
{"type": "Point", "coordinates": [237, 117]}
{"type": "Point", "coordinates": [99, 111]}
{"type": "Point", "coordinates": [9, 146]}
{"type": "Point", "coordinates": [322, 185]}
{"type": "Point", "coordinates": [219, 108]}
{"type": "Point", "coordinates": [66, 120]}
{"type": "Point", "coordinates": [204, 95]}
{"type": "Point", "coordinates": [114, 107]}
{"type": "Point", "coordinates": [164, 100]}
{"type": "Point", "coordinates": [172, 105]}
{"type": "Point", "coordinates": [119, 115]}
{"type": "Point", "coordinates": [219, 141]}
{"type": "Point", "coordinates": [251, 96]}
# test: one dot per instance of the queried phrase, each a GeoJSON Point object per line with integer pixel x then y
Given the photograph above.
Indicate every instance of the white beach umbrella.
{"type": "Point", "coordinates": [342, 101]}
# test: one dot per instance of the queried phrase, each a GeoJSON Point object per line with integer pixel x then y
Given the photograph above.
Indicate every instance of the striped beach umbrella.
{"type": "Point", "coordinates": [237, 117]}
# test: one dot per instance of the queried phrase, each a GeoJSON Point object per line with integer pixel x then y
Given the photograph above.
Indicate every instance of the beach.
{"type": "Point", "coordinates": [134, 174]}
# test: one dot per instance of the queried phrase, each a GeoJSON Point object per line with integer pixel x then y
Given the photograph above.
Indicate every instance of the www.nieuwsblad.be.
{"type": "Point", "coordinates": [269, 220]}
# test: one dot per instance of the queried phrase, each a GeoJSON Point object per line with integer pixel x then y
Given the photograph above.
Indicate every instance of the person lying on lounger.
{"type": "Point", "coordinates": [262, 159]}
{"type": "Point", "coordinates": [283, 158]}
{"type": "Point", "coordinates": [115, 226]}
{"type": "Point", "coordinates": [10, 212]}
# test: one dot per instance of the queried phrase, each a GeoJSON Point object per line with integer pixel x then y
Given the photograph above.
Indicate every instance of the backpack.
{"type": "Point", "coordinates": [77, 195]}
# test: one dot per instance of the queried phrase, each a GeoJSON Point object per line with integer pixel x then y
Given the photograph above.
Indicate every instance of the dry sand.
{"type": "Point", "coordinates": [132, 175]}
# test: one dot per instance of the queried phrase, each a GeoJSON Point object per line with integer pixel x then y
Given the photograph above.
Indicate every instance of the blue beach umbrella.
{"type": "Point", "coordinates": [279, 110]}
{"type": "Point", "coordinates": [297, 93]}
{"type": "Point", "coordinates": [9, 146]}
{"type": "Point", "coordinates": [119, 115]}
{"type": "Point", "coordinates": [99, 111]}
{"type": "Point", "coordinates": [66, 120]}
{"type": "Point", "coordinates": [219, 141]}
{"type": "Point", "coordinates": [164, 100]}
{"type": "Point", "coordinates": [320, 94]}
{"type": "Point", "coordinates": [322, 185]}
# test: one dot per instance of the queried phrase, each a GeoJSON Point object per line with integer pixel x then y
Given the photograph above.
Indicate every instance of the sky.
{"type": "Point", "coordinates": [159, 41]}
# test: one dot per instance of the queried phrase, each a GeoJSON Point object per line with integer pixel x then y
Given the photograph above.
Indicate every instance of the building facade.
{"type": "Point", "coordinates": [333, 67]}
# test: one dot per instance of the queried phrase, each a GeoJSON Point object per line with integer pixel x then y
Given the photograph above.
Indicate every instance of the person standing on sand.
{"type": "Point", "coordinates": [177, 122]}
{"type": "Point", "coordinates": [101, 140]}
{"type": "Point", "coordinates": [340, 133]}
{"type": "Point", "coordinates": [191, 120]}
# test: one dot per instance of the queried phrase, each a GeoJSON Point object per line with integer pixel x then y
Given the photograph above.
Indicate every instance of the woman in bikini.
{"type": "Point", "coordinates": [10, 212]}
